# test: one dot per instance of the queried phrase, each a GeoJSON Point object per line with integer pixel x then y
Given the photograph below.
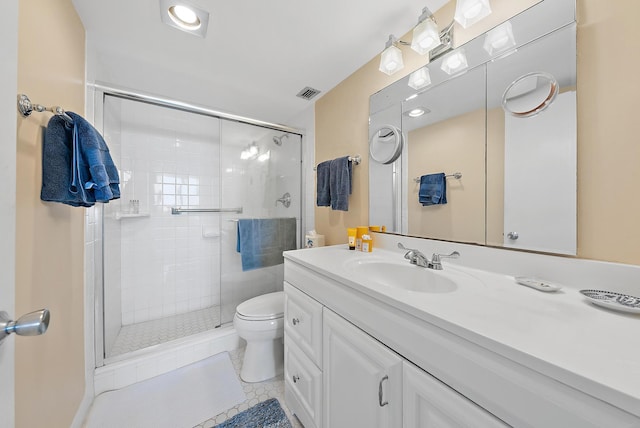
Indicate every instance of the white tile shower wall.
{"type": "Point", "coordinates": [169, 263]}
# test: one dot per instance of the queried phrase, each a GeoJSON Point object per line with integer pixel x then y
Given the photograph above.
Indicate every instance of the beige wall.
{"type": "Point", "coordinates": [439, 146]}
{"type": "Point", "coordinates": [608, 152]}
{"type": "Point", "coordinates": [50, 241]}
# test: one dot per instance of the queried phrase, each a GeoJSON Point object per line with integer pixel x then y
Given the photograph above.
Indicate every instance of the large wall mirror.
{"type": "Point", "coordinates": [502, 131]}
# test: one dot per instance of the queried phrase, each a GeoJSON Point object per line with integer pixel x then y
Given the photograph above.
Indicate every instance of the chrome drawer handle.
{"type": "Point", "coordinates": [296, 378]}
{"type": "Point", "coordinates": [295, 321]}
{"type": "Point", "coordinates": [382, 404]}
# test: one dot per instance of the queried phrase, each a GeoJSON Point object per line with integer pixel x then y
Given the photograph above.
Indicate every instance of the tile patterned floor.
{"type": "Point", "coordinates": [255, 392]}
{"type": "Point", "coordinates": [138, 336]}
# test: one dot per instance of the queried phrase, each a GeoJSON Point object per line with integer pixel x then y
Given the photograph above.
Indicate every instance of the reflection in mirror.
{"type": "Point", "coordinates": [532, 155]}
{"type": "Point", "coordinates": [507, 123]}
{"type": "Point", "coordinates": [528, 95]}
{"type": "Point", "coordinates": [448, 139]}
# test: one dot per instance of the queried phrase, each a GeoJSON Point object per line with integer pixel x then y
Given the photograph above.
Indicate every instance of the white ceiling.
{"type": "Point", "coordinates": [257, 54]}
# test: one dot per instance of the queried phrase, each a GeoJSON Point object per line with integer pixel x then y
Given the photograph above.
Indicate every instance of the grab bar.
{"type": "Point", "coordinates": [178, 210]}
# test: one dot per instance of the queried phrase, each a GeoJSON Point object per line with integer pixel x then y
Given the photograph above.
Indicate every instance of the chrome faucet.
{"type": "Point", "coordinates": [417, 258]}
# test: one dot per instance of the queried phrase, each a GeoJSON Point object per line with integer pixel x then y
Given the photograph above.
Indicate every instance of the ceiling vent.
{"type": "Point", "coordinates": [308, 93]}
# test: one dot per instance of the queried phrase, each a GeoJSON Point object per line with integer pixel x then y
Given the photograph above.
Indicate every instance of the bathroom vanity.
{"type": "Point", "coordinates": [373, 341]}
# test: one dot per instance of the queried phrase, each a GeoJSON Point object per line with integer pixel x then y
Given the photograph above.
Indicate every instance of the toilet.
{"type": "Point", "coordinates": [260, 321]}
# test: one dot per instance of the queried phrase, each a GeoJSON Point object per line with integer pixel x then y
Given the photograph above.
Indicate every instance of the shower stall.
{"type": "Point", "coordinates": [169, 267]}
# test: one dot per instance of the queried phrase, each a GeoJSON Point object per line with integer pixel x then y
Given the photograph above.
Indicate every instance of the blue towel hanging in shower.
{"type": "Point", "coordinates": [261, 241]}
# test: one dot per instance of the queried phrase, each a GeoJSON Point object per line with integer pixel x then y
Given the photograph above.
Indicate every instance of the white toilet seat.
{"type": "Point", "coordinates": [264, 307]}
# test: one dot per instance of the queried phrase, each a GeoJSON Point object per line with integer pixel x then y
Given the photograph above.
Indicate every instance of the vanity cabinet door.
{"type": "Point", "coordinates": [428, 403]}
{"type": "Point", "coordinates": [303, 385]}
{"type": "Point", "coordinates": [303, 322]}
{"type": "Point", "coordinates": [362, 379]}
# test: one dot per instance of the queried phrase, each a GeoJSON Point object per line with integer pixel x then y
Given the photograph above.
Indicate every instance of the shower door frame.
{"type": "Point", "coordinates": [100, 92]}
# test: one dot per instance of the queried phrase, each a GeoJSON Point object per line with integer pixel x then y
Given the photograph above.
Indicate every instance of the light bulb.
{"type": "Point", "coordinates": [184, 17]}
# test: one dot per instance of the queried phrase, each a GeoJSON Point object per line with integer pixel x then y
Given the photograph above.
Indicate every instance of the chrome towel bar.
{"type": "Point", "coordinates": [178, 210]}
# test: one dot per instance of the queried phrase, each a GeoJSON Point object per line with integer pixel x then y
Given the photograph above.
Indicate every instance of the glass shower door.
{"type": "Point", "coordinates": [260, 172]}
{"type": "Point", "coordinates": [161, 271]}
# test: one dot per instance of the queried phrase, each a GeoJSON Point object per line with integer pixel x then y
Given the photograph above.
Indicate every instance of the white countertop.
{"type": "Point", "coordinates": [559, 334]}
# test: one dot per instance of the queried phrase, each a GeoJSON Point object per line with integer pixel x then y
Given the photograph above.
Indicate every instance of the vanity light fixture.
{"type": "Point", "coordinates": [391, 58]}
{"type": "Point", "coordinates": [468, 12]}
{"type": "Point", "coordinates": [500, 39]}
{"type": "Point", "coordinates": [425, 35]}
{"type": "Point", "coordinates": [426, 39]}
{"type": "Point", "coordinates": [420, 78]}
{"type": "Point", "coordinates": [184, 16]}
{"type": "Point", "coordinates": [454, 62]}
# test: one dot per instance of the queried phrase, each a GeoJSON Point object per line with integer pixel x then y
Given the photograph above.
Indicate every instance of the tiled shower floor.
{"type": "Point", "coordinates": [255, 392]}
{"type": "Point", "coordinates": [138, 336]}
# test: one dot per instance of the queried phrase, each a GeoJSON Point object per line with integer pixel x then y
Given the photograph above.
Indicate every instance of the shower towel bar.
{"type": "Point", "coordinates": [25, 107]}
{"type": "Point", "coordinates": [456, 175]}
{"type": "Point", "coordinates": [355, 159]}
{"type": "Point", "coordinates": [178, 210]}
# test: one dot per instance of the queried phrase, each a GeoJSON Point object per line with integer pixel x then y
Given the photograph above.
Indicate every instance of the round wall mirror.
{"type": "Point", "coordinates": [530, 94]}
{"type": "Point", "coordinates": [385, 144]}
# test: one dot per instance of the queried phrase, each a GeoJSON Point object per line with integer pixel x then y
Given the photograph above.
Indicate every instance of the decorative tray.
{"type": "Point", "coordinates": [615, 301]}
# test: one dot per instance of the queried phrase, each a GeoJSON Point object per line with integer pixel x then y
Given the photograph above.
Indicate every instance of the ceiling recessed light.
{"type": "Point", "coordinates": [184, 16]}
{"type": "Point", "coordinates": [416, 112]}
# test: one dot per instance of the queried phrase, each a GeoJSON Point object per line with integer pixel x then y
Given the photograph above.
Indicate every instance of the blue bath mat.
{"type": "Point", "coordinates": [267, 414]}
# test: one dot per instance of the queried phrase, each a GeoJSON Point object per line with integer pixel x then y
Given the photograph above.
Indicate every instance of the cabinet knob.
{"type": "Point", "coordinates": [295, 321]}
{"type": "Point", "coordinates": [512, 235]}
{"type": "Point", "coordinates": [296, 378]}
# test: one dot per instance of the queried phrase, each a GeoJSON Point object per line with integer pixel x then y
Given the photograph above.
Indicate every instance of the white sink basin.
{"type": "Point", "coordinates": [403, 276]}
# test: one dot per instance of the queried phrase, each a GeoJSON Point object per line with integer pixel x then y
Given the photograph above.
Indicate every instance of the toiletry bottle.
{"type": "Point", "coordinates": [361, 230]}
{"type": "Point", "coordinates": [351, 233]}
{"type": "Point", "coordinates": [367, 244]}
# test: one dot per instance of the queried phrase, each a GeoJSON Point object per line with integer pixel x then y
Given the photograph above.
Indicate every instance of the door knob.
{"type": "Point", "coordinates": [31, 324]}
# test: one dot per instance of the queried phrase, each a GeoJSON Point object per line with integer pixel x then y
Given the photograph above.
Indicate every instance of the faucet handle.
{"type": "Point", "coordinates": [410, 254]}
{"type": "Point", "coordinates": [436, 257]}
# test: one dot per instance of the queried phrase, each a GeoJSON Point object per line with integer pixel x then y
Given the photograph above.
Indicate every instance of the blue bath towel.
{"type": "Point", "coordinates": [261, 241]}
{"type": "Point", "coordinates": [98, 172]}
{"type": "Point", "coordinates": [433, 189]}
{"type": "Point", "coordinates": [77, 169]}
{"type": "Point", "coordinates": [59, 167]}
{"type": "Point", "coordinates": [340, 184]}
{"type": "Point", "coordinates": [323, 195]}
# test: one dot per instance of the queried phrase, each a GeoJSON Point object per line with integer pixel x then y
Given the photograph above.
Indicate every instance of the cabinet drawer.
{"type": "Point", "coordinates": [303, 385]}
{"type": "Point", "coordinates": [303, 322]}
{"type": "Point", "coordinates": [427, 402]}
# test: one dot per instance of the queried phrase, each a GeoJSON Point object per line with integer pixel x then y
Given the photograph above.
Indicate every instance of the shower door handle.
{"type": "Point", "coordinates": [31, 324]}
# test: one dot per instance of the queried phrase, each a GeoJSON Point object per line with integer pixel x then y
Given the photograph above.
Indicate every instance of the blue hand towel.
{"type": "Point", "coordinates": [262, 241]}
{"type": "Point", "coordinates": [433, 189]}
{"type": "Point", "coordinates": [323, 197]}
{"type": "Point", "coordinates": [96, 168]}
{"type": "Point", "coordinates": [340, 185]}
